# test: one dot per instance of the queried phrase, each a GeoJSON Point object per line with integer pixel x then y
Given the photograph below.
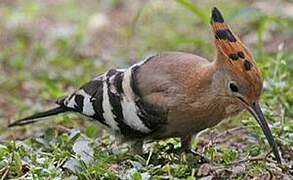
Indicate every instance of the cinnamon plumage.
{"type": "Point", "coordinates": [172, 94]}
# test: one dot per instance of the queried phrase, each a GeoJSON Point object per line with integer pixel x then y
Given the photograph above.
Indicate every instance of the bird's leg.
{"type": "Point", "coordinates": [137, 147]}
{"type": "Point", "coordinates": [186, 143]}
{"type": "Point", "coordinates": [186, 147]}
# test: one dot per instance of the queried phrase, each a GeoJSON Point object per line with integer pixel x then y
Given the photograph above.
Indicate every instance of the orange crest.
{"type": "Point", "coordinates": [234, 53]}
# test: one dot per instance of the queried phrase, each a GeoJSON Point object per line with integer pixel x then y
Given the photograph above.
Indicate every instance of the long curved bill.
{"type": "Point", "coordinates": [255, 110]}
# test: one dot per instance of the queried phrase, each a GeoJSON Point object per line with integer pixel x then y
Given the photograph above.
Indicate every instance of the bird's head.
{"type": "Point", "coordinates": [238, 76]}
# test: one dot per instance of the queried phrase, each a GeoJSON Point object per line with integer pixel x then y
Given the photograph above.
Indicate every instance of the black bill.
{"type": "Point", "coordinates": [255, 110]}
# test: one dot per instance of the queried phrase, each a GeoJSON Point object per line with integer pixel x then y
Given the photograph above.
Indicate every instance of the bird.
{"type": "Point", "coordinates": [172, 94]}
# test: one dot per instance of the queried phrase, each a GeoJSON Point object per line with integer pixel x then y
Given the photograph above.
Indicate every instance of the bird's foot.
{"type": "Point", "coordinates": [201, 158]}
{"type": "Point", "coordinates": [136, 147]}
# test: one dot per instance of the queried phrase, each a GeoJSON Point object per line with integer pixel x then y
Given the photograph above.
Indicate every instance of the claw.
{"type": "Point", "coordinates": [203, 159]}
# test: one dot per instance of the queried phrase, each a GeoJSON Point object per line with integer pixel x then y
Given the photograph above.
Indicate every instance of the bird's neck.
{"type": "Point", "coordinates": [214, 82]}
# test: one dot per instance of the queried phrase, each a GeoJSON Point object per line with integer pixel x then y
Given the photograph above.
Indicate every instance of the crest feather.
{"type": "Point", "coordinates": [227, 43]}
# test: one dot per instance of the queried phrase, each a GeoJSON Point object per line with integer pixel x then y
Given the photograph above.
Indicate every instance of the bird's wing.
{"type": "Point", "coordinates": [167, 83]}
{"type": "Point", "coordinates": [114, 99]}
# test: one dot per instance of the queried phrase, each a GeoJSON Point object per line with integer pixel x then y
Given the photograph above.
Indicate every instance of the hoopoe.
{"type": "Point", "coordinates": [172, 94]}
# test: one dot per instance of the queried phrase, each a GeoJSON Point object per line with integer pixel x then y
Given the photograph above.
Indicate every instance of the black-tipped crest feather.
{"type": "Point", "coordinates": [217, 16]}
{"type": "Point", "coordinates": [38, 116]}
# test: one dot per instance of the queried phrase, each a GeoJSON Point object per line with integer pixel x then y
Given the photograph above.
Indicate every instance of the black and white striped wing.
{"type": "Point", "coordinates": [114, 100]}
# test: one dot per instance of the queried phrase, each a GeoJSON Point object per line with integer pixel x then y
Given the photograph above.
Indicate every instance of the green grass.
{"type": "Point", "coordinates": [49, 48]}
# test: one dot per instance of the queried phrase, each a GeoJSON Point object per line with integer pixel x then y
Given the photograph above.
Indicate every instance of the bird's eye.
{"type": "Point", "coordinates": [233, 87]}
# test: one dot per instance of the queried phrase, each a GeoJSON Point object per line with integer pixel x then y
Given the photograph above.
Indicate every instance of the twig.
{"type": "Point", "coordinates": [265, 158]}
{"type": "Point", "coordinates": [270, 173]}
{"type": "Point", "coordinates": [193, 172]}
{"type": "Point", "coordinates": [230, 132]}
{"type": "Point", "coordinates": [248, 160]}
{"type": "Point", "coordinates": [149, 156]}
{"type": "Point", "coordinates": [63, 129]}
{"type": "Point", "coordinates": [282, 120]}
{"type": "Point", "coordinates": [5, 174]}
{"type": "Point", "coordinates": [21, 177]}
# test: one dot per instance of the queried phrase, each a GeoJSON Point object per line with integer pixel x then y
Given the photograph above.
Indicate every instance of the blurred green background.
{"type": "Point", "coordinates": [50, 47]}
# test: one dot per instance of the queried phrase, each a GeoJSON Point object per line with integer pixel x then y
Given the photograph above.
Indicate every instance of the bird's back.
{"type": "Point", "coordinates": [169, 72]}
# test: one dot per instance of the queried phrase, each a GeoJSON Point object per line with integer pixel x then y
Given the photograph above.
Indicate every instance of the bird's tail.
{"type": "Point", "coordinates": [39, 116]}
